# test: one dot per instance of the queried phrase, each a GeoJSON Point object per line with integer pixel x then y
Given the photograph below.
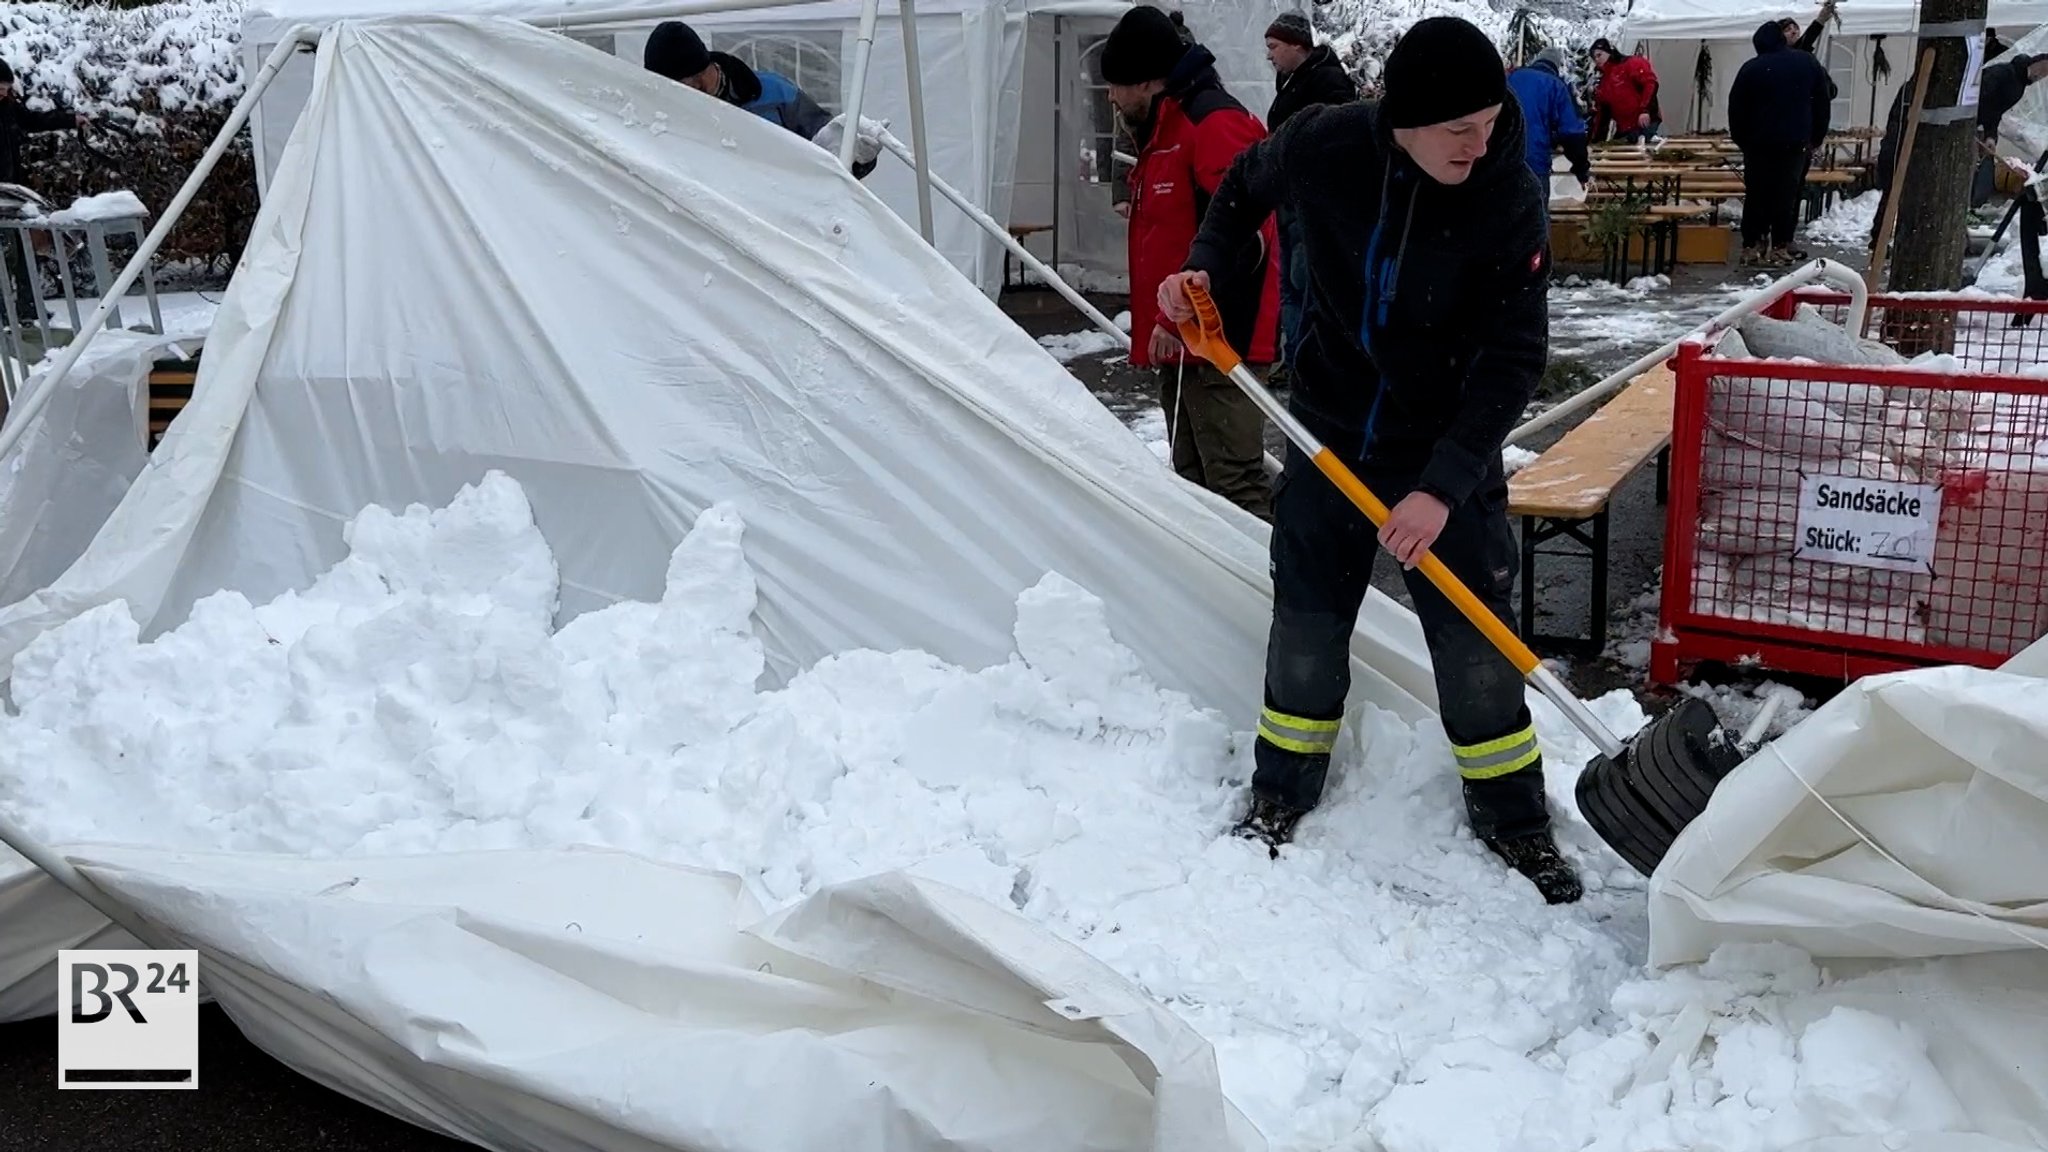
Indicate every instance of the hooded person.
{"type": "Point", "coordinates": [1550, 116]}
{"type": "Point", "coordinates": [1625, 95]}
{"type": "Point", "coordinates": [1304, 73]}
{"type": "Point", "coordinates": [676, 51]}
{"type": "Point", "coordinates": [1188, 130]}
{"type": "Point", "coordinates": [1778, 106]}
{"type": "Point", "coordinates": [1423, 342]}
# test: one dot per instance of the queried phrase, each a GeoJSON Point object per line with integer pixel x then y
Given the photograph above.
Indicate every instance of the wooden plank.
{"type": "Point", "coordinates": [1578, 475]}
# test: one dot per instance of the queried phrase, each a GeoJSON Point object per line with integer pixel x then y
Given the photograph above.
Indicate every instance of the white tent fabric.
{"type": "Point", "coordinates": [595, 1000]}
{"type": "Point", "coordinates": [972, 55]}
{"type": "Point", "coordinates": [489, 248]}
{"type": "Point", "coordinates": [1901, 834]}
{"type": "Point", "coordinates": [1671, 32]}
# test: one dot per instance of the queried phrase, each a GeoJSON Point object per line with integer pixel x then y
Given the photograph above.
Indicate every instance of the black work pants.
{"type": "Point", "coordinates": [1322, 557]}
{"type": "Point", "coordinates": [1772, 179]}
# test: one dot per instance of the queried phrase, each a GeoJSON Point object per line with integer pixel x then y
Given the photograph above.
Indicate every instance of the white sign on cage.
{"type": "Point", "coordinates": [1867, 523]}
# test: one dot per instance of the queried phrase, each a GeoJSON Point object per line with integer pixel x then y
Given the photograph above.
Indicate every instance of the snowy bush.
{"type": "Point", "coordinates": [1363, 31]}
{"type": "Point", "coordinates": [160, 80]}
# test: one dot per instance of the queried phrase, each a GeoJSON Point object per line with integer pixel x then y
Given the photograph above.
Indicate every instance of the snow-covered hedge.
{"type": "Point", "coordinates": [160, 79]}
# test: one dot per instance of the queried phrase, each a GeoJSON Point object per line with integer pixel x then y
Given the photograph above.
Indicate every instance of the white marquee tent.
{"type": "Point", "coordinates": [1671, 32]}
{"type": "Point", "coordinates": [1014, 117]}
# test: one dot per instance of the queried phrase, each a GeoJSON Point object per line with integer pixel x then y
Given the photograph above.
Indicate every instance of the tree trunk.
{"type": "Point", "coordinates": [1928, 246]}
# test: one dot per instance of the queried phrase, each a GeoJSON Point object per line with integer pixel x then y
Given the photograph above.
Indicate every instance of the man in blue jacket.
{"type": "Point", "coordinates": [676, 51]}
{"type": "Point", "coordinates": [1777, 114]}
{"type": "Point", "coordinates": [1550, 117]}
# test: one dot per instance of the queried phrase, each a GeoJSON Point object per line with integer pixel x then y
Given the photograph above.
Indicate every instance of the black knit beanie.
{"type": "Point", "coordinates": [1443, 69]}
{"type": "Point", "coordinates": [6, 73]}
{"type": "Point", "coordinates": [1144, 45]}
{"type": "Point", "coordinates": [676, 51]}
{"type": "Point", "coordinates": [1292, 28]}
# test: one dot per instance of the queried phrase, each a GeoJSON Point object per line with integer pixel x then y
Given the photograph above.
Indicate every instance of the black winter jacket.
{"type": "Point", "coordinates": [1779, 100]}
{"type": "Point", "coordinates": [17, 121]}
{"type": "Point", "coordinates": [2000, 88]}
{"type": "Point", "coordinates": [1319, 80]}
{"type": "Point", "coordinates": [1425, 329]}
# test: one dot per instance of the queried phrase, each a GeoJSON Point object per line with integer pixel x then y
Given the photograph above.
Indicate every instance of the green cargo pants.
{"type": "Point", "coordinates": [1217, 434]}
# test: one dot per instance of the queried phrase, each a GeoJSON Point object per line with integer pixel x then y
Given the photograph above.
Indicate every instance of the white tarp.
{"type": "Point", "coordinates": [1731, 19]}
{"type": "Point", "coordinates": [597, 1000]}
{"type": "Point", "coordinates": [1904, 821]}
{"type": "Point", "coordinates": [71, 466]}
{"type": "Point", "coordinates": [983, 137]}
{"type": "Point", "coordinates": [474, 258]}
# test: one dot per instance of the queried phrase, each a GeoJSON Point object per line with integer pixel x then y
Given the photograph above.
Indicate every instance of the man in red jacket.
{"type": "Point", "coordinates": [1626, 95]}
{"type": "Point", "coordinates": [1189, 130]}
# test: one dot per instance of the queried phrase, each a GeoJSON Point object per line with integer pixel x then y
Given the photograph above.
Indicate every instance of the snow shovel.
{"type": "Point", "coordinates": [1638, 796]}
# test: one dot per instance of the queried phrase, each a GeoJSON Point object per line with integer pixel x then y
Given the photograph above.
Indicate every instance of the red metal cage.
{"type": "Point", "coordinates": [1841, 520]}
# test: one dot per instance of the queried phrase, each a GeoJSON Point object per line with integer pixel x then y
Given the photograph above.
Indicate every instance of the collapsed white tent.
{"type": "Point", "coordinates": [1014, 116]}
{"type": "Point", "coordinates": [489, 247]}
{"type": "Point", "coordinates": [1901, 831]}
{"type": "Point", "coordinates": [1672, 32]}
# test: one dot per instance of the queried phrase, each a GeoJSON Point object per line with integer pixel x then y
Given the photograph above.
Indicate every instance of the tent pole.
{"type": "Point", "coordinates": [1003, 237]}
{"type": "Point", "coordinates": [913, 70]}
{"type": "Point", "coordinates": [38, 393]}
{"type": "Point", "coordinates": [864, 46]}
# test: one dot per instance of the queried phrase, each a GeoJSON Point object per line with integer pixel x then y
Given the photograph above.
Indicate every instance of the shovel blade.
{"type": "Point", "coordinates": [1640, 802]}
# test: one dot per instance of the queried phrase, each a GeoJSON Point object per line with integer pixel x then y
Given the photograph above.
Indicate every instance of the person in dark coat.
{"type": "Point", "coordinates": [1550, 117]}
{"type": "Point", "coordinates": [674, 50]}
{"type": "Point", "coordinates": [2000, 88]}
{"type": "Point", "coordinates": [1777, 113]}
{"type": "Point", "coordinates": [1422, 344]}
{"type": "Point", "coordinates": [1306, 73]}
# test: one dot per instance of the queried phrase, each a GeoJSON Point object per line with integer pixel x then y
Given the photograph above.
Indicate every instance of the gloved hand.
{"type": "Point", "coordinates": [867, 141]}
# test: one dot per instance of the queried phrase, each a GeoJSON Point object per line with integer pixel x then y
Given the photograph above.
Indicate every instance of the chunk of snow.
{"type": "Point", "coordinates": [1067, 347]}
{"type": "Point", "coordinates": [1848, 223]}
{"type": "Point", "coordinates": [121, 205]}
{"type": "Point", "coordinates": [1514, 458]}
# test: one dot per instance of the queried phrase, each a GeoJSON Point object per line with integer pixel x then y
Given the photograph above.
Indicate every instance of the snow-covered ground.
{"type": "Point", "coordinates": [1384, 984]}
{"type": "Point", "coordinates": [1847, 223]}
{"type": "Point", "coordinates": [1605, 323]}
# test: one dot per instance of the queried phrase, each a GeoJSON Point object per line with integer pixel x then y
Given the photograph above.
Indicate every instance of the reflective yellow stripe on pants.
{"type": "Point", "coordinates": [1510, 753]}
{"type": "Point", "coordinates": [1298, 733]}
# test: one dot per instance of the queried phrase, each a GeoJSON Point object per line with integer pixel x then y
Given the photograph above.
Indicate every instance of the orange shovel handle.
{"type": "Point", "coordinates": [1203, 336]}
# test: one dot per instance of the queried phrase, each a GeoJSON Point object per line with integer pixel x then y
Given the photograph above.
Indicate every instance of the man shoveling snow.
{"type": "Point", "coordinates": [1421, 218]}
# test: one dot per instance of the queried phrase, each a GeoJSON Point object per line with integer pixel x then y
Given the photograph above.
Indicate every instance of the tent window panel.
{"type": "Point", "coordinates": [605, 42]}
{"type": "Point", "coordinates": [1841, 61]}
{"type": "Point", "coordinates": [1104, 134]}
{"type": "Point", "coordinates": [809, 62]}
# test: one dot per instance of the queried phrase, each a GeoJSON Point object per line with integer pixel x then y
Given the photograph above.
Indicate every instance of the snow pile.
{"type": "Point", "coordinates": [1384, 979]}
{"type": "Point", "coordinates": [1847, 223]}
{"type": "Point", "coordinates": [1067, 347]}
{"type": "Point", "coordinates": [168, 57]}
{"type": "Point", "coordinates": [1514, 458]}
{"type": "Point", "coordinates": [121, 205]}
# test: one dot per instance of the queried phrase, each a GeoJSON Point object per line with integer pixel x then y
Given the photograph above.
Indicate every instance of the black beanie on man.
{"type": "Point", "coordinates": [1144, 45]}
{"type": "Point", "coordinates": [1292, 28]}
{"type": "Point", "coordinates": [1443, 69]}
{"type": "Point", "coordinates": [676, 51]}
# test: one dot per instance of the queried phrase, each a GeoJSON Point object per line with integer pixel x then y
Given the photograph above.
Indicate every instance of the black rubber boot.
{"type": "Point", "coordinates": [1269, 822]}
{"type": "Point", "coordinates": [1535, 856]}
